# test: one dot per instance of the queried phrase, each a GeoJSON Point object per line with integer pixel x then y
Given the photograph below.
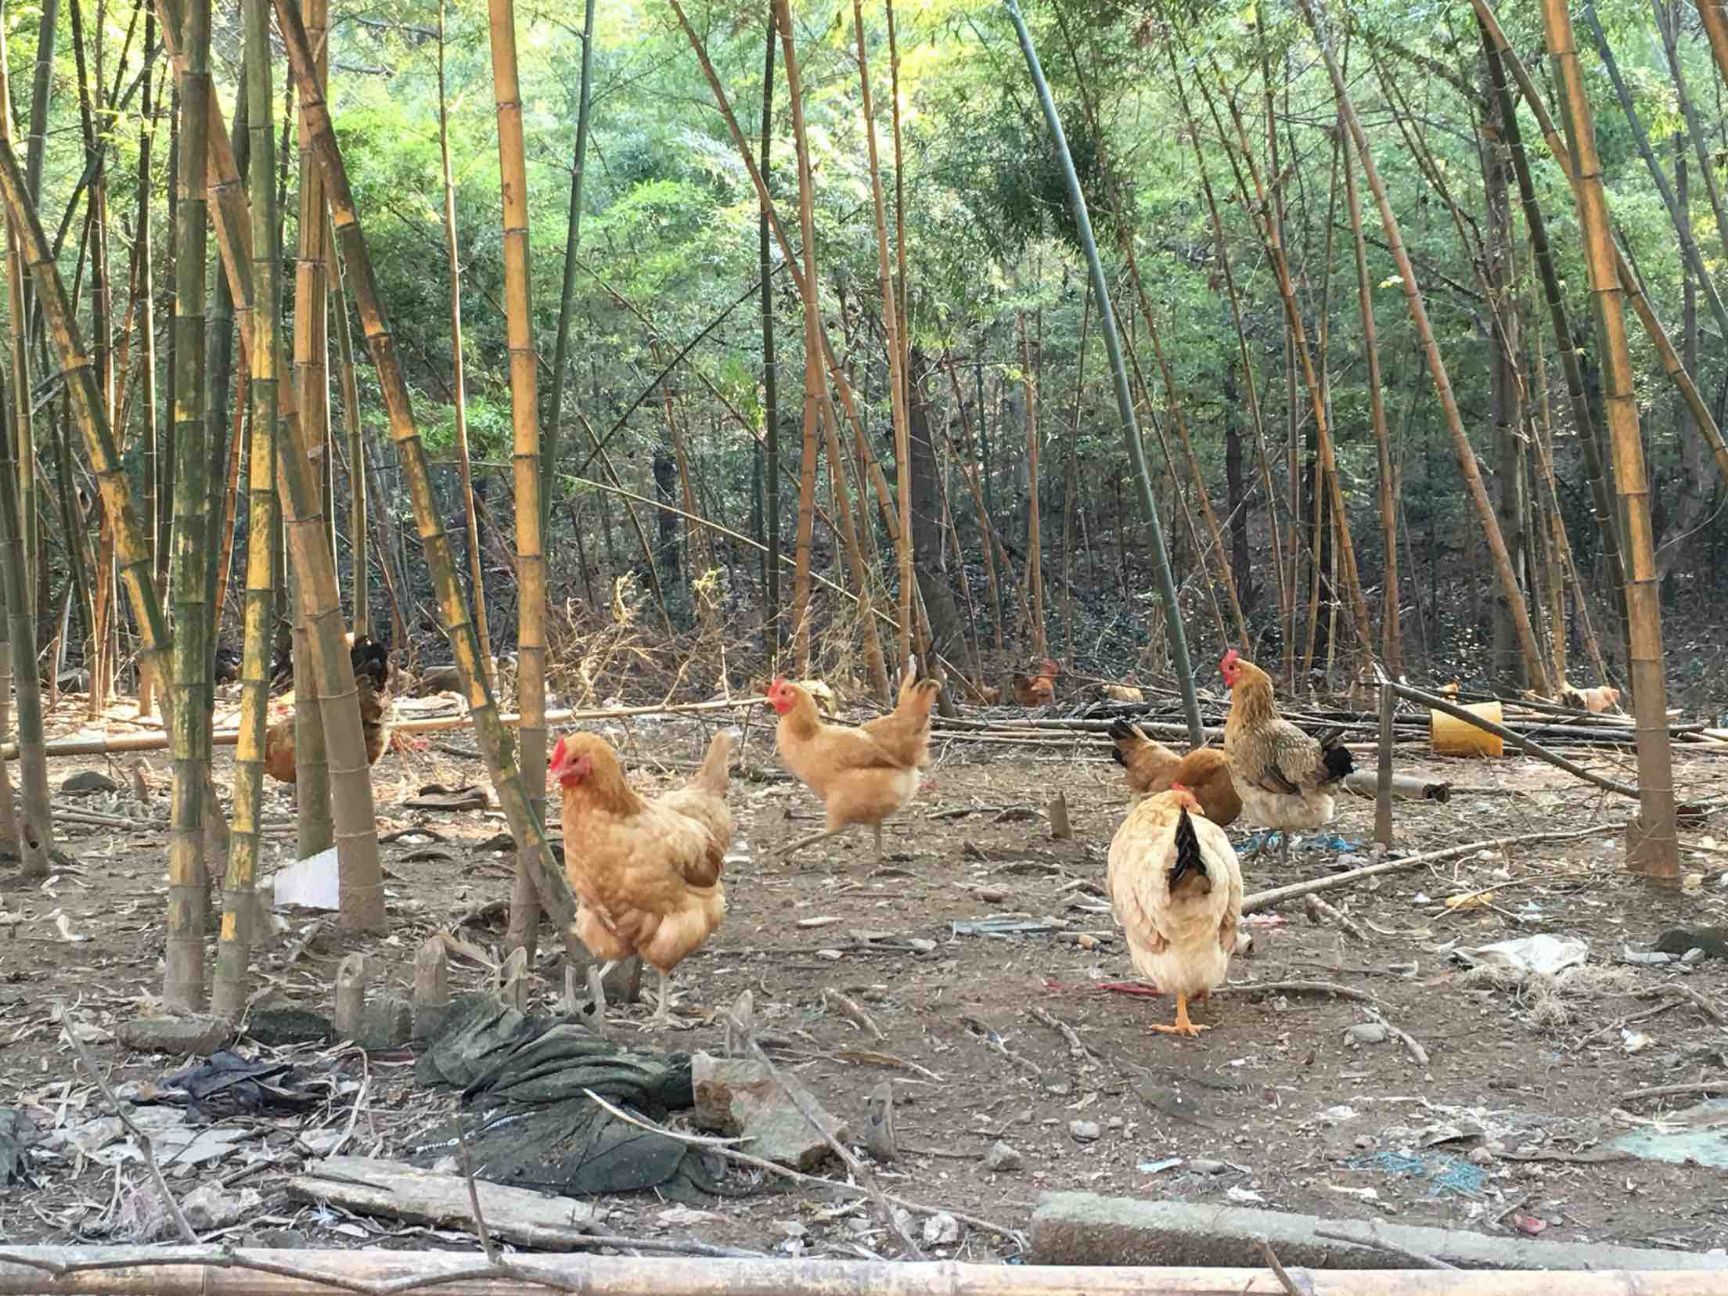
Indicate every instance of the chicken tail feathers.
{"type": "Point", "coordinates": [713, 775]}
{"type": "Point", "coordinates": [1125, 738]}
{"type": "Point", "coordinates": [1335, 756]}
{"type": "Point", "coordinates": [1189, 860]}
{"type": "Point", "coordinates": [371, 661]}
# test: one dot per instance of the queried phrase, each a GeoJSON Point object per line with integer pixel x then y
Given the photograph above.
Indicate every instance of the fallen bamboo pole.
{"type": "Point", "coordinates": [113, 744]}
{"type": "Point", "coordinates": [213, 1271]}
{"type": "Point", "coordinates": [1512, 736]}
{"type": "Point", "coordinates": [1296, 890]}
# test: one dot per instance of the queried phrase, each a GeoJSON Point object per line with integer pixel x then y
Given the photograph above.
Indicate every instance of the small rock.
{"type": "Point", "coordinates": [276, 1239]}
{"type": "Point", "coordinates": [739, 1096]}
{"type": "Point", "coordinates": [1084, 1131]}
{"type": "Point", "coordinates": [1205, 1166]}
{"type": "Point", "coordinates": [1694, 956]}
{"type": "Point", "coordinates": [386, 1023]}
{"type": "Point", "coordinates": [1002, 1158]}
{"type": "Point", "coordinates": [1479, 1156]}
{"type": "Point", "coordinates": [209, 1206]}
{"type": "Point", "coordinates": [941, 1229]}
{"type": "Point", "coordinates": [282, 1026]}
{"type": "Point", "coordinates": [88, 782]}
{"type": "Point", "coordinates": [1367, 1033]}
{"type": "Point", "coordinates": [193, 1033]}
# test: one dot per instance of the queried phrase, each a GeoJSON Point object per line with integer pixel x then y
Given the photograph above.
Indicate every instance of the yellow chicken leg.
{"type": "Point", "coordinates": [1182, 1025]}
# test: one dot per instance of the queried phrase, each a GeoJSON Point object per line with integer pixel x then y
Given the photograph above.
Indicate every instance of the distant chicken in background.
{"type": "Point", "coordinates": [1596, 701]}
{"type": "Point", "coordinates": [1150, 767]}
{"type": "Point", "coordinates": [1037, 690]}
{"type": "Point", "coordinates": [1285, 777]}
{"type": "Point", "coordinates": [1176, 888]}
{"type": "Point", "coordinates": [371, 661]}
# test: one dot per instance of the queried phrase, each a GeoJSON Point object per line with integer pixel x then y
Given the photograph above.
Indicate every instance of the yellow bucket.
{"type": "Point", "coordinates": [1450, 736]}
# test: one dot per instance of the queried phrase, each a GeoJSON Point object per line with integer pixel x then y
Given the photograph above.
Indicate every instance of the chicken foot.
{"type": "Point", "coordinates": [802, 842]}
{"type": "Point", "coordinates": [1182, 1026]}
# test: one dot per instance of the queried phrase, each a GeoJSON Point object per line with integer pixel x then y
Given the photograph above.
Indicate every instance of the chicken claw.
{"type": "Point", "coordinates": [1182, 1026]}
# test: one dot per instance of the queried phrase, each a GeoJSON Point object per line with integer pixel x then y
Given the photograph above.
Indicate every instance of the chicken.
{"type": "Point", "coordinates": [1121, 693]}
{"type": "Point", "coordinates": [1151, 767]}
{"type": "Point", "coordinates": [1594, 700]}
{"type": "Point", "coordinates": [1037, 690]}
{"type": "Point", "coordinates": [1176, 889]}
{"type": "Point", "coordinates": [371, 661]}
{"type": "Point", "coordinates": [1284, 776]}
{"type": "Point", "coordinates": [862, 774]}
{"type": "Point", "coordinates": [647, 872]}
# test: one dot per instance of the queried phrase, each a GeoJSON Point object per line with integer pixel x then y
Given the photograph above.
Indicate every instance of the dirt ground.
{"type": "Point", "coordinates": [1507, 1128]}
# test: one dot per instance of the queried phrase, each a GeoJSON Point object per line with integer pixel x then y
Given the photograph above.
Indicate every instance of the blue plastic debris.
{"type": "Point", "coordinates": [1449, 1175]}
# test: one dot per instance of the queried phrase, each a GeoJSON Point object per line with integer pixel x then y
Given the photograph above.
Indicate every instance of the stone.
{"type": "Point", "coordinates": [1002, 1158]}
{"type": "Point", "coordinates": [1084, 1131]}
{"type": "Point", "coordinates": [189, 1033]}
{"type": "Point", "coordinates": [738, 1096]}
{"type": "Point", "coordinates": [1367, 1033]}
{"type": "Point", "coordinates": [209, 1206]}
{"type": "Point", "coordinates": [386, 1022]}
{"type": "Point", "coordinates": [87, 783]}
{"type": "Point", "coordinates": [1076, 1228]}
{"type": "Point", "coordinates": [285, 1025]}
{"type": "Point", "coordinates": [941, 1229]}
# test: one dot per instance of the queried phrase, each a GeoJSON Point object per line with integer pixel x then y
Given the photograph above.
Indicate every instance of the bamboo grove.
{"type": "Point", "coordinates": [813, 336]}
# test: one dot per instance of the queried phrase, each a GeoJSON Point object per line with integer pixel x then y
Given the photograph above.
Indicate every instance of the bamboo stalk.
{"type": "Point", "coordinates": [1671, 362]}
{"type": "Point", "coordinates": [1652, 841]}
{"type": "Point", "coordinates": [188, 884]}
{"type": "Point", "coordinates": [555, 894]}
{"type": "Point", "coordinates": [773, 630]}
{"type": "Point", "coordinates": [234, 942]}
{"type": "Point", "coordinates": [1715, 16]}
{"type": "Point", "coordinates": [359, 546]}
{"type": "Point", "coordinates": [1124, 399]}
{"type": "Point", "coordinates": [1501, 558]}
{"type": "Point", "coordinates": [572, 241]}
{"type": "Point", "coordinates": [301, 494]}
{"type": "Point", "coordinates": [1496, 52]}
{"type": "Point", "coordinates": [1298, 338]}
{"type": "Point", "coordinates": [458, 374]}
{"type": "Point", "coordinates": [214, 1271]}
{"type": "Point", "coordinates": [312, 776]}
{"type": "Point", "coordinates": [31, 823]}
{"type": "Point", "coordinates": [891, 325]}
{"type": "Point", "coordinates": [1391, 635]}
{"type": "Point", "coordinates": [525, 459]}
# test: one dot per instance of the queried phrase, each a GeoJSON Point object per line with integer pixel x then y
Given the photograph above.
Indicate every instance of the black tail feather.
{"type": "Point", "coordinates": [1189, 860]}
{"type": "Point", "coordinates": [1336, 756]}
{"type": "Point", "coordinates": [1120, 729]}
{"type": "Point", "coordinates": [371, 661]}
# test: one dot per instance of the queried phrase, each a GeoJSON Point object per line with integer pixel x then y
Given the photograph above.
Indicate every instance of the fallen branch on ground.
{"type": "Point", "coordinates": [1296, 890]}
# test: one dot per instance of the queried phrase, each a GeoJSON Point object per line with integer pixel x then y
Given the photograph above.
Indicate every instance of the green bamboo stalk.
{"type": "Point", "coordinates": [312, 776]}
{"type": "Point", "coordinates": [1124, 397]}
{"type": "Point", "coordinates": [572, 241]}
{"type": "Point", "coordinates": [234, 944]}
{"type": "Point", "coordinates": [188, 883]}
{"type": "Point", "coordinates": [301, 494]}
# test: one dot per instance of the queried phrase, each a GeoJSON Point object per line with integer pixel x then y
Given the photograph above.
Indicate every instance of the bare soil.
{"type": "Point", "coordinates": [1506, 1128]}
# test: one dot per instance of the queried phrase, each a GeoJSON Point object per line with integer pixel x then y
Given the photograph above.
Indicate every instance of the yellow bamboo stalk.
{"type": "Point", "coordinates": [1652, 845]}
{"type": "Point", "coordinates": [555, 894]}
{"type": "Point", "coordinates": [525, 459]}
{"type": "Point", "coordinates": [234, 942]}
